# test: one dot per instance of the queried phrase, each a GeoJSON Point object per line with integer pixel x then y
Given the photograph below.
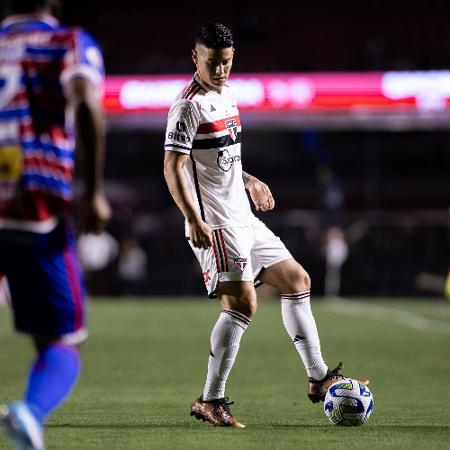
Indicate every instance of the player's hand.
{"type": "Point", "coordinates": [261, 196]}
{"type": "Point", "coordinates": [200, 234]}
{"type": "Point", "coordinates": [97, 213]}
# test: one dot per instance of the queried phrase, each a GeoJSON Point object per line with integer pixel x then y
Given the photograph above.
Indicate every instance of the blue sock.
{"type": "Point", "coordinates": [51, 378]}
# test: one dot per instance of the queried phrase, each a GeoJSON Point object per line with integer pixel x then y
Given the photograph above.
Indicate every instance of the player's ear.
{"type": "Point", "coordinates": [195, 56]}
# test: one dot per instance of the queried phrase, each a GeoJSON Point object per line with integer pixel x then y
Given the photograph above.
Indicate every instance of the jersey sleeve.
{"type": "Point", "coordinates": [84, 59]}
{"type": "Point", "coordinates": [182, 124]}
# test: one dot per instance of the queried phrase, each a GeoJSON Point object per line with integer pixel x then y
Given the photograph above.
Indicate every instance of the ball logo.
{"type": "Point", "coordinates": [225, 160]}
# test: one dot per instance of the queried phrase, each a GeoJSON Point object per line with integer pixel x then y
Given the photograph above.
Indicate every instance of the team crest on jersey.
{"type": "Point", "coordinates": [232, 128]}
{"type": "Point", "coordinates": [240, 262]}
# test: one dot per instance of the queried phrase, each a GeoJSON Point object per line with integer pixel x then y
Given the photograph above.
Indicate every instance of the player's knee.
{"type": "Point", "coordinates": [302, 281]}
{"type": "Point", "coordinates": [247, 304]}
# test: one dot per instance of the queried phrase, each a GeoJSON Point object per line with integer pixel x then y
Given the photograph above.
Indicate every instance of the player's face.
{"type": "Point", "coordinates": [213, 65]}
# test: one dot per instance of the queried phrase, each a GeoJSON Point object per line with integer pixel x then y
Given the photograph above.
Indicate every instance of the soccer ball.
{"type": "Point", "coordinates": [348, 403]}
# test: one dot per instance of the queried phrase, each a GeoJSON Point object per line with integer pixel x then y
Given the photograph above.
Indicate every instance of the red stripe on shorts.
{"type": "Point", "coordinates": [224, 249]}
{"type": "Point", "coordinates": [216, 252]}
{"type": "Point", "coordinates": [74, 286]}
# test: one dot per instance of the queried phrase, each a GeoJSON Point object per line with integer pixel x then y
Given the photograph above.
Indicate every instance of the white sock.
{"type": "Point", "coordinates": [299, 322]}
{"type": "Point", "coordinates": [225, 338]}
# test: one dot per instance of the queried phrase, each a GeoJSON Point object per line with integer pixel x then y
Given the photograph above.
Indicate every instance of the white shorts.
{"type": "Point", "coordinates": [239, 254]}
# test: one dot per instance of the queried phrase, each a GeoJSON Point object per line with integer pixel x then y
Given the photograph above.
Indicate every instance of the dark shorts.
{"type": "Point", "coordinates": [47, 289]}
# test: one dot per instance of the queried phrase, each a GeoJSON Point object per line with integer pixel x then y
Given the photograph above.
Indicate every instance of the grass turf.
{"type": "Point", "coordinates": [145, 362]}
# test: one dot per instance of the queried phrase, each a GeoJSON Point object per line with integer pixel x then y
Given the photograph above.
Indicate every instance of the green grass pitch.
{"type": "Point", "coordinates": [145, 362]}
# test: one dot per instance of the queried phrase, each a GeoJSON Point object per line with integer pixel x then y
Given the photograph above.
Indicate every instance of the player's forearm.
{"type": "Point", "coordinates": [90, 136]}
{"type": "Point", "coordinates": [179, 191]}
{"type": "Point", "coordinates": [248, 179]}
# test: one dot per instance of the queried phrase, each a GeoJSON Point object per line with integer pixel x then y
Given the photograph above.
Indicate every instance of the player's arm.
{"type": "Point", "coordinates": [82, 97]}
{"type": "Point", "coordinates": [199, 232]}
{"type": "Point", "coordinates": [259, 192]}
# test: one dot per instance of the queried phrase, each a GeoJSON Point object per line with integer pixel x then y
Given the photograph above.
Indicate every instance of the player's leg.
{"type": "Point", "coordinates": [275, 266]}
{"type": "Point", "coordinates": [52, 376]}
{"type": "Point", "coordinates": [238, 302]}
{"type": "Point", "coordinates": [49, 304]}
{"type": "Point", "coordinates": [228, 275]}
{"type": "Point", "coordinates": [289, 277]}
{"type": "Point", "coordinates": [294, 284]}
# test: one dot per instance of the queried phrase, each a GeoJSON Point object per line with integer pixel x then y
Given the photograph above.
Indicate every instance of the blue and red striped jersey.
{"type": "Point", "coordinates": [38, 57]}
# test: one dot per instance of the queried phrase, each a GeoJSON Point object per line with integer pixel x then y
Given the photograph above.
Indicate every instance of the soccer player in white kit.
{"type": "Point", "coordinates": [203, 170]}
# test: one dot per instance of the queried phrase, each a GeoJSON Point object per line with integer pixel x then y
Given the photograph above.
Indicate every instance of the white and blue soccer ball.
{"type": "Point", "coordinates": [348, 403]}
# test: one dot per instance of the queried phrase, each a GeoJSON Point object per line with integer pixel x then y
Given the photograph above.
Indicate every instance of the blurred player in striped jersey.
{"type": "Point", "coordinates": [50, 90]}
{"type": "Point", "coordinates": [236, 251]}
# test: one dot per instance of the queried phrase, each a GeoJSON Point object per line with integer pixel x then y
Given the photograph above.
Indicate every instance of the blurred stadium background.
{"type": "Point", "coordinates": [346, 116]}
{"type": "Point", "coordinates": [357, 139]}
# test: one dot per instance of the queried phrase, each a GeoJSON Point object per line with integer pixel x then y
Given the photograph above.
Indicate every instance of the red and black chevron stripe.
{"type": "Point", "coordinates": [220, 251]}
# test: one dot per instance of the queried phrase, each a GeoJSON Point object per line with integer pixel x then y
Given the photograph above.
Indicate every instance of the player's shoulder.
{"type": "Point", "coordinates": [182, 109]}
{"type": "Point", "coordinates": [83, 56]}
{"type": "Point", "coordinates": [77, 35]}
{"type": "Point", "coordinates": [190, 98]}
{"type": "Point", "coordinates": [85, 36]}
{"type": "Point", "coordinates": [193, 92]}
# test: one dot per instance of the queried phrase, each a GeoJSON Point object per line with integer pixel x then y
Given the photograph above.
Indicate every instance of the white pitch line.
{"type": "Point", "coordinates": [387, 314]}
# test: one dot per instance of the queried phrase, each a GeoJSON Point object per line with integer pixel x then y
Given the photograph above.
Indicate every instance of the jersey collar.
{"type": "Point", "coordinates": [200, 82]}
{"type": "Point", "coordinates": [38, 20]}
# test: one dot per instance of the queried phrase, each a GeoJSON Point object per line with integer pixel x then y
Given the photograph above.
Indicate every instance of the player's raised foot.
{"type": "Point", "coordinates": [317, 389]}
{"type": "Point", "coordinates": [23, 429]}
{"type": "Point", "coordinates": [216, 412]}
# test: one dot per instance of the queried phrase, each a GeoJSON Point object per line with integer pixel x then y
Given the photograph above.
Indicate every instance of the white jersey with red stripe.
{"type": "Point", "coordinates": [205, 125]}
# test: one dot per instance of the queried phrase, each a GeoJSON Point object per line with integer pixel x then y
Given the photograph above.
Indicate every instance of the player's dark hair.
{"type": "Point", "coordinates": [214, 35]}
{"type": "Point", "coordinates": [29, 6]}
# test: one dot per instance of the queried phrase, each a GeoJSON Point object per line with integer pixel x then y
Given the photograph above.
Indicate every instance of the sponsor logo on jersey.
{"type": "Point", "coordinates": [225, 160]}
{"type": "Point", "coordinates": [177, 136]}
{"type": "Point", "coordinates": [10, 163]}
{"type": "Point", "coordinates": [240, 262]}
{"type": "Point", "coordinates": [232, 128]}
{"type": "Point", "coordinates": [181, 127]}
{"type": "Point", "coordinates": [212, 109]}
